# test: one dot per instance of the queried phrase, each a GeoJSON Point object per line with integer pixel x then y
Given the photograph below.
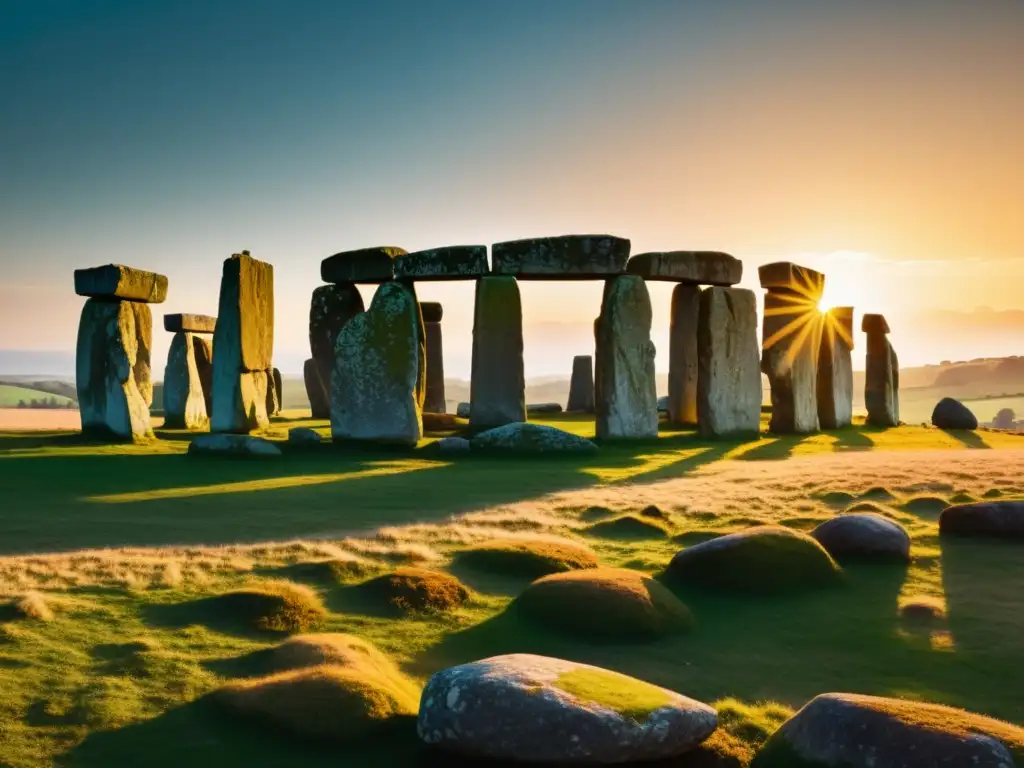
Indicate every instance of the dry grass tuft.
{"type": "Point", "coordinates": [416, 590]}
{"type": "Point", "coordinates": [31, 605]}
{"type": "Point", "coordinates": [273, 606]}
{"type": "Point", "coordinates": [628, 527]}
{"type": "Point", "coordinates": [528, 558]}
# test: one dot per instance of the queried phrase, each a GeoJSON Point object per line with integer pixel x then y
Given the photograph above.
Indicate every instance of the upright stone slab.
{"type": "Point", "coordinates": [143, 370]}
{"type": "Point", "coordinates": [498, 384]}
{"type": "Point", "coordinates": [202, 347]}
{"type": "Point", "coordinates": [570, 257]}
{"type": "Point", "coordinates": [330, 307]}
{"type": "Point", "coordinates": [627, 403]}
{"type": "Point", "coordinates": [581, 385]}
{"type": "Point", "coordinates": [316, 391]}
{"type": "Point", "coordinates": [682, 355]}
{"type": "Point", "coordinates": [882, 375]}
{"type": "Point", "coordinates": [791, 338]}
{"type": "Point", "coordinates": [434, 400]}
{"type": "Point", "coordinates": [376, 372]}
{"type": "Point", "coordinates": [184, 400]}
{"type": "Point", "coordinates": [243, 345]}
{"type": "Point", "coordinates": [835, 369]}
{"type": "Point", "coordinates": [113, 335]}
{"type": "Point", "coordinates": [728, 375]}
{"type": "Point", "coordinates": [274, 393]}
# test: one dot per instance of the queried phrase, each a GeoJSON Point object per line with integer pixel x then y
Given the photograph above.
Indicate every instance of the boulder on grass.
{"type": "Point", "coordinates": [233, 445]}
{"type": "Point", "coordinates": [863, 536]}
{"type": "Point", "coordinates": [997, 519]}
{"type": "Point", "coordinates": [304, 436]}
{"type": "Point", "coordinates": [952, 414]}
{"type": "Point", "coordinates": [764, 559]}
{"type": "Point", "coordinates": [539, 709]}
{"type": "Point", "coordinates": [453, 444]}
{"type": "Point", "coordinates": [845, 730]}
{"type": "Point", "coordinates": [531, 438]}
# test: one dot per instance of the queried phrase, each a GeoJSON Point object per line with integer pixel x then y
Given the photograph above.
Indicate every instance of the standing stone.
{"type": "Point", "coordinates": [882, 377]}
{"type": "Point", "coordinates": [315, 390]}
{"type": "Point", "coordinates": [498, 385]}
{"type": "Point", "coordinates": [728, 376]}
{"type": "Point", "coordinates": [682, 355]}
{"type": "Point", "coordinates": [142, 370]}
{"type": "Point", "coordinates": [377, 370]}
{"type": "Point", "coordinates": [184, 400]}
{"type": "Point", "coordinates": [835, 369]}
{"type": "Point", "coordinates": [329, 309]}
{"type": "Point", "coordinates": [434, 400]}
{"type": "Point", "coordinates": [627, 406]}
{"type": "Point", "coordinates": [791, 339]}
{"type": "Point", "coordinates": [581, 386]}
{"type": "Point", "coordinates": [243, 345]}
{"type": "Point", "coordinates": [274, 391]}
{"type": "Point", "coordinates": [112, 339]}
{"type": "Point", "coordinates": [202, 348]}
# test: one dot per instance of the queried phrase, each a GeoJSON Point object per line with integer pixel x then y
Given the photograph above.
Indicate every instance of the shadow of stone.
{"type": "Point", "coordinates": [230, 613]}
{"type": "Point", "coordinates": [773, 448]}
{"type": "Point", "coordinates": [853, 438]}
{"type": "Point", "coordinates": [487, 582]}
{"type": "Point", "coordinates": [969, 438]}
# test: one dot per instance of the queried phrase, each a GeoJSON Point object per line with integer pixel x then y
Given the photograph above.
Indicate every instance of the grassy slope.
{"type": "Point", "coordinates": [10, 395]}
{"type": "Point", "coordinates": [117, 673]}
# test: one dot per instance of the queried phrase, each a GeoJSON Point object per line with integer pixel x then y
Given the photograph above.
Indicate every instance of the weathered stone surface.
{"type": "Point", "coordinates": [329, 309]}
{"type": "Point", "coordinates": [456, 262]}
{"type": "Point", "coordinates": [532, 438]}
{"type": "Point", "coordinates": [453, 445]}
{"type": "Point", "coordinates": [581, 385]}
{"type": "Point", "coordinates": [233, 445]}
{"type": "Point", "coordinates": [243, 345]}
{"type": "Point", "coordinates": [791, 339]}
{"type": "Point", "coordinates": [952, 414]}
{"type": "Point", "coordinates": [112, 339]}
{"type": "Point", "coordinates": [304, 436]}
{"type": "Point", "coordinates": [729, 377]}
{"type": "Point", "coordinates": [874, 324]}
{"type": "Point", "coordinates": [497, 387]}
{"type": "Point", "coordinates": [184, 400]}
{"type": "Point", "coordinates": [202, 348]}
{"type": "Point", "coordinates": [663, 404]}
{"type": "Point", "coordinates": [539, 409]}
{"type": "Point", "coordinates": [365, 265]}
{"type": "Point", "coordinates": [115, 281]}
{"type": "Point", "coordinates": [316, 391]}
{"type": "Point", "coordinates": [274, 391]}
{"type": "Point", "coordinates": [143, 370]}
{"type": "Point", "coordinates": [190, 323]}
{"type": "Point", "coordinates": [998, 519]}
{"type": "Point", "coordinates": [863, 536]}
{"type": "Point", "coordinates": [626, 397]}
{"type": "Point", "coordinates": [881, 378]}
{"type": "Point", "coordinates": [561, 258]}
{"type": "Point", "coordinates": [462, 410]}
{"type": "Point", "coordinates": [846, 730]}
{"type": "Point", "coordinates": [805, 281]}
{"type": "Point", "coordinates": [432, 311]}
{"type": "Point", "coordinates": [835, 369]}
{"type": "Point", "coordinates": [536, 709]}
{"type": "Point", "coordinates": [693, 267]}
{"type": "Point", "coordinates": [374, 390]}
{"type": "Point", "coordinates": [682, 355]}
{"type": "Point", "coordinates": [434, 401]}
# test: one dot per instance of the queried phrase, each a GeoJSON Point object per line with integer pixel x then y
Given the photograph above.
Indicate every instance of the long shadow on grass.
{"type": "Point", "coordinates": [969, 438]}
{"type": "Point", "coordinates": [853, 438]}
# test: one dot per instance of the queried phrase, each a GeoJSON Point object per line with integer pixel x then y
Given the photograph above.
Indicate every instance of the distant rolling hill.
{"type": "Point", "coordinates": [11, 396]}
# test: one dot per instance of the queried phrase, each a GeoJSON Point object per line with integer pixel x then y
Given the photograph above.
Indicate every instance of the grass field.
{"type": "Point", "coordinates": [11, 395]}
{"type": "Point", "coordinates": [120, 673]}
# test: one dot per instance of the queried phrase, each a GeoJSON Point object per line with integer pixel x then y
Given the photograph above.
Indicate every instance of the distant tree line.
{"type": "Point", "coordinates": [45, 402]}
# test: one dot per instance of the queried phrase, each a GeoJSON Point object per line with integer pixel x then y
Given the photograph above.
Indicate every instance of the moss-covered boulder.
{"type": "Point", "coordinates": [764, 559]}
{"type": "Point", "coordinates": [843, 730]}
{"type": "Point", "coordinates": [604, 604]}
{"type": "Point", "coordinates": [528, 558]}
{"type": "Point", "coordinates": [233, 445]}
{"type": "Point", "coordinates": [539, 709]}
{"type": "Point", "coordinates": [523, 437]}
{"type": "Point", "coordinates": [415, 590]}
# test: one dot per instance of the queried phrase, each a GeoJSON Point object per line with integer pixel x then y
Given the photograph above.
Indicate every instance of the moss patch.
{"type": "Point", "coordinates": [628, 527]}
{"type": "Point", "coordinates": [925, 505]}
{"type": "Point", "coordinates": [416, 590]}
{"type": "Point", "coordinates": [631, 698]}
{"type": "Point", "coordinates": [528, 558]}
{"type": "Point", "coordinates": [604, 604]}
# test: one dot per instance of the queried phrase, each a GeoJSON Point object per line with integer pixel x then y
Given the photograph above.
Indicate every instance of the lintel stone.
{"type": "Point", "coordinates": [455, 262]}
{"type": "Point", "coordinates": [696, 267]}
{"type": "Point", "coordinates": [116, 281]}
{"type": "Point", "coordinates": [365, 265]}
{"type": "Point", "coordinates": [874, 324]}
{"type": "Point", "coordinates": [183, 323]}
{"type": "Point", "coordinates": [569, 257]}
{"type": "Point", "coordinates": [786, 275]}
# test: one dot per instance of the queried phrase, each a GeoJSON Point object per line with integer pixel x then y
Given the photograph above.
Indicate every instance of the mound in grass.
{"type": "Point", "coordinates": [336, 571]}
{"type": "Point", "coordinates": [604, 604]}
{"type": "Point", "coordinates": [992, 493]}
{"type": "Point", "coordinates": [961, 498]}
{"type": "Point", "coordinates": [655, 512]}
{"type": "Point", "coordinates": [627, 527]}
{"type": "Point", "coordinates": [527, 558]}
{"type": "Point", "coordinates": [922, 608]}
{"type": "Point", "coordinates": [866, 506]}
{"type": "Point", "coordinates": [925, 505]}
{"type": "Point", "coordinates": [767, 559]}
{"type": "Point", "coordinates": [271, 606]}
{"type": "Point", "coordinates": [837, 498]}
{"type": "Point", "coordinates": [335, 704]}
{"type": "Point", "coordinates": [877, 493]}
{"type": "Point", "coordinates": [839, 730]}
{"type": "Point", "coordinates": [31, 605]}
{"type": "Point", "coordinates": [416, 590]}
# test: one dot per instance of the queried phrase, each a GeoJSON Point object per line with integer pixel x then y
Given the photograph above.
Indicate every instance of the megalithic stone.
{"type": "Point", "coordinates": [682, 355]}
{"type": "Point", "coordinates": [581, 386]}
{"type": "Point", "coordinates": [274, 392]}
{"type": "Point", "coordinates": [728, 377]}
{"type": "Point", "coordinates": [498, 384]}
{"type": "Point", "coordinates": [112, 336]}
{"type": "Point", "coordinates": [434, 401]}
{"type": "Point", "coordinates": [791, 337]}
{"type": "Point", "coordinates": [184, 401]}
{"type": "Point", "coordinates": [330, 307]}
{"type": "Point", "coordinates": [374, 390]}
{"type": "Point", "coordinates": [203, 350]}
{"type": "Point", "coordinates": [315, 390]}
{"type": "Point", "coordinates": [882, 377]}
{"type": "Point", "coordinates": [835, 369]}
{"type": "Point", "coordinates": [243, 345]}
{"type": "Point", "coordinates": [627, 405]}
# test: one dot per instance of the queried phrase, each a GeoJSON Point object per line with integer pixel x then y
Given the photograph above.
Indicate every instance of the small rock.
{"type": "Point", "coordinates": [304, 436]}
{"type": "Point", "coordinates": [233, 445]}
{"type": "Point", "coordinates": [536, 708]}
{"type": "Point", "coordinates": [663, 404]}
{"type": "Point", "coordinates": [462, 410]}
{"type": "Point", "coordinates": [863, 535]}
{"type": "Point", "coordinates": [453, 445]}
{"type": "Point", "coordinates": [952, 414]}
{"type": "Point", "coordinates": [532, 438]}
{"type": "Point", "coordinates": [542, 408]}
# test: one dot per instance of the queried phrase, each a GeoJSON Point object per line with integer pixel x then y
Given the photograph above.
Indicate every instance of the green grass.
{"type": "Point", "coordinates": [11, 395]}
{"type": "Point", "coordinates": [126, 665]}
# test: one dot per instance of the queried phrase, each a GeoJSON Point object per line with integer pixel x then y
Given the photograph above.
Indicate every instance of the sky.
{"type": "Point", "coordinates": [881, 142]}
